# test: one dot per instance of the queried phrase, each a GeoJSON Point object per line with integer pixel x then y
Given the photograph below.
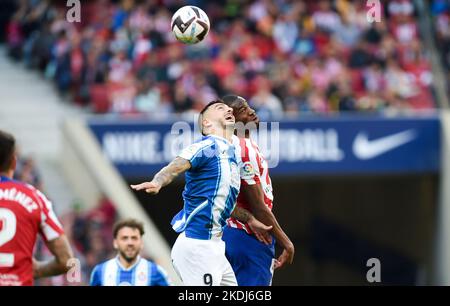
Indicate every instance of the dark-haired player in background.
{"type": "Point", "coordinates": [253, 262]}
{"type": "Point", "coordinates": [128, 268]}
{"type": "Point", "coordinates": [25, 212]}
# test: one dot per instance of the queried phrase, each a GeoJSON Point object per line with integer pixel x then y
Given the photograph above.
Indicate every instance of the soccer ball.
{"type": "Point", "coordinates": [190, 24]}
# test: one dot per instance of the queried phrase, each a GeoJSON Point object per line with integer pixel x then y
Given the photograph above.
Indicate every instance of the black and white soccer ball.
{"type": "Point", "coordinates": [190, 24]}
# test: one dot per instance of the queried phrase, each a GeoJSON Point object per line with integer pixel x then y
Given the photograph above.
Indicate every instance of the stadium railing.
{"type": "Point", "coordinates": [441, 269]}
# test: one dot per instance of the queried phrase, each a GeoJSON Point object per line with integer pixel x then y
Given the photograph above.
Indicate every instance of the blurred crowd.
{"type": "Point", "coordinates": [440, 10]}
{"type": "Point", "coordinates": [27, 172]}
{"type": "Point", "coordinates": [286, 57]}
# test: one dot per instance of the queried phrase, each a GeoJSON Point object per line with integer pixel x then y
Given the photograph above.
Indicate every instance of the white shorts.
{"type": "Point", "coordinates": [202, 262]}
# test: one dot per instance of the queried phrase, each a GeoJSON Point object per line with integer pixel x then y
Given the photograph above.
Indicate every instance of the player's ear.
{"type": "Point", "coordinates": [206, 123]}
{"type": "Point", "coordinates": [115, 244]}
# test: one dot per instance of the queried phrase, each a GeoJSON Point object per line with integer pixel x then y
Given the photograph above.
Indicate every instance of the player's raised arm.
{"type": "Point", "coordinates": [62, 251]}
{"type": "Point", "coordinates": [165, 176]}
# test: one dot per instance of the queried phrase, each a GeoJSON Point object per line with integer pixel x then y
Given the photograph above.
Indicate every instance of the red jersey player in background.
{"type": "Point", "coordinates": [25, 212]}
{"type": "Point", "coordinates": [253, 262]}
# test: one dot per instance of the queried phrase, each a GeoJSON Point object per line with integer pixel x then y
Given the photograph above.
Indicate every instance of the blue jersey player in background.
{"type": "Point", "coordinates": [212, 186]}
{"type": "Point", "coordinates": [128, 268]}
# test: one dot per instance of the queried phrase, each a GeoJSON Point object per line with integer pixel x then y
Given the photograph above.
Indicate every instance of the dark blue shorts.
{"type": "Point", "coordinates": [250, 259]}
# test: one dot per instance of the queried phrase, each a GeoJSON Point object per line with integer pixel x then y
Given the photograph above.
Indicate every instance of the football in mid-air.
{"type": "Point", "coordinates": [190, 24]}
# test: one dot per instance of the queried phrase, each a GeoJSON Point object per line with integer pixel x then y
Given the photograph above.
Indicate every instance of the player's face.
{"type": "Point", "coordinates": [220, 114]}
{"type": "Point", "coordinates": [244, 113]}
{"type": "Point", "coordinates": [128, 243]}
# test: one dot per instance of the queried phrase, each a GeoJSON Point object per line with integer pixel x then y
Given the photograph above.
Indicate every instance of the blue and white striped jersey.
{"type": "Point", "coordinates": [212, 186]}
{"type": "Point", "coordinates": [142, 273]}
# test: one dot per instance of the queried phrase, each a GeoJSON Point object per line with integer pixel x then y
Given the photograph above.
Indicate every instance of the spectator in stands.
{"type": "Point", "coordinates": [123, 55]}
{"type": "Point", "coordinates": [441, 15]}
{"type": "Point", "coordinates": [27, 172]}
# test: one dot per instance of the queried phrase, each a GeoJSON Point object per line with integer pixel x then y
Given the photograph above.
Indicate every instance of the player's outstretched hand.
{"type": "Point", "coordinates": [149, 187]}
{"type": "Point", "coordinates": [287, 256]}
{"type": "Point", "coordinates": [260, 230]}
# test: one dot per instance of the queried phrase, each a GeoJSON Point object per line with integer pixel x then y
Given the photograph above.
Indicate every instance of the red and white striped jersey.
{"type": "Point", "coordinates": [24, 212]}
{"type": "Point", "coordinates": [253, 170]}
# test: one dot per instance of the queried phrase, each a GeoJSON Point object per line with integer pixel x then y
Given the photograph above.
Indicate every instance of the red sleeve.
{"type": "Point", "coordinates": [249, 169]}
{"type": "Point", "coordinates": [49, 227]}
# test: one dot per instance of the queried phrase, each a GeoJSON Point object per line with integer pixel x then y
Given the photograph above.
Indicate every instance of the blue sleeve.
{"type": "Point", "coordinates": [158, 276]}
{"type": "Point", "coordinates": [197, 153]}
{"type": "Point", "coordinates": [96, 276]}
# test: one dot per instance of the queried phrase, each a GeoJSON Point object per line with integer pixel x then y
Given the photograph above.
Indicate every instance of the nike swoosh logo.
{"type": "Point", "coordinates": [363, 148]}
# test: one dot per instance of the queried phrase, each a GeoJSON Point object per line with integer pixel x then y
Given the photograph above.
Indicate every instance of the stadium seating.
{"type": "Point", "coordinates": [326, 48]}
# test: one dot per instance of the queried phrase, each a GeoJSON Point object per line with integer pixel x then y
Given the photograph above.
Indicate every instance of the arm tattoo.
{"type": "Point", "coordinates": [171, 171]}
{"type": "Point", "coordinates": [241, 214]}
